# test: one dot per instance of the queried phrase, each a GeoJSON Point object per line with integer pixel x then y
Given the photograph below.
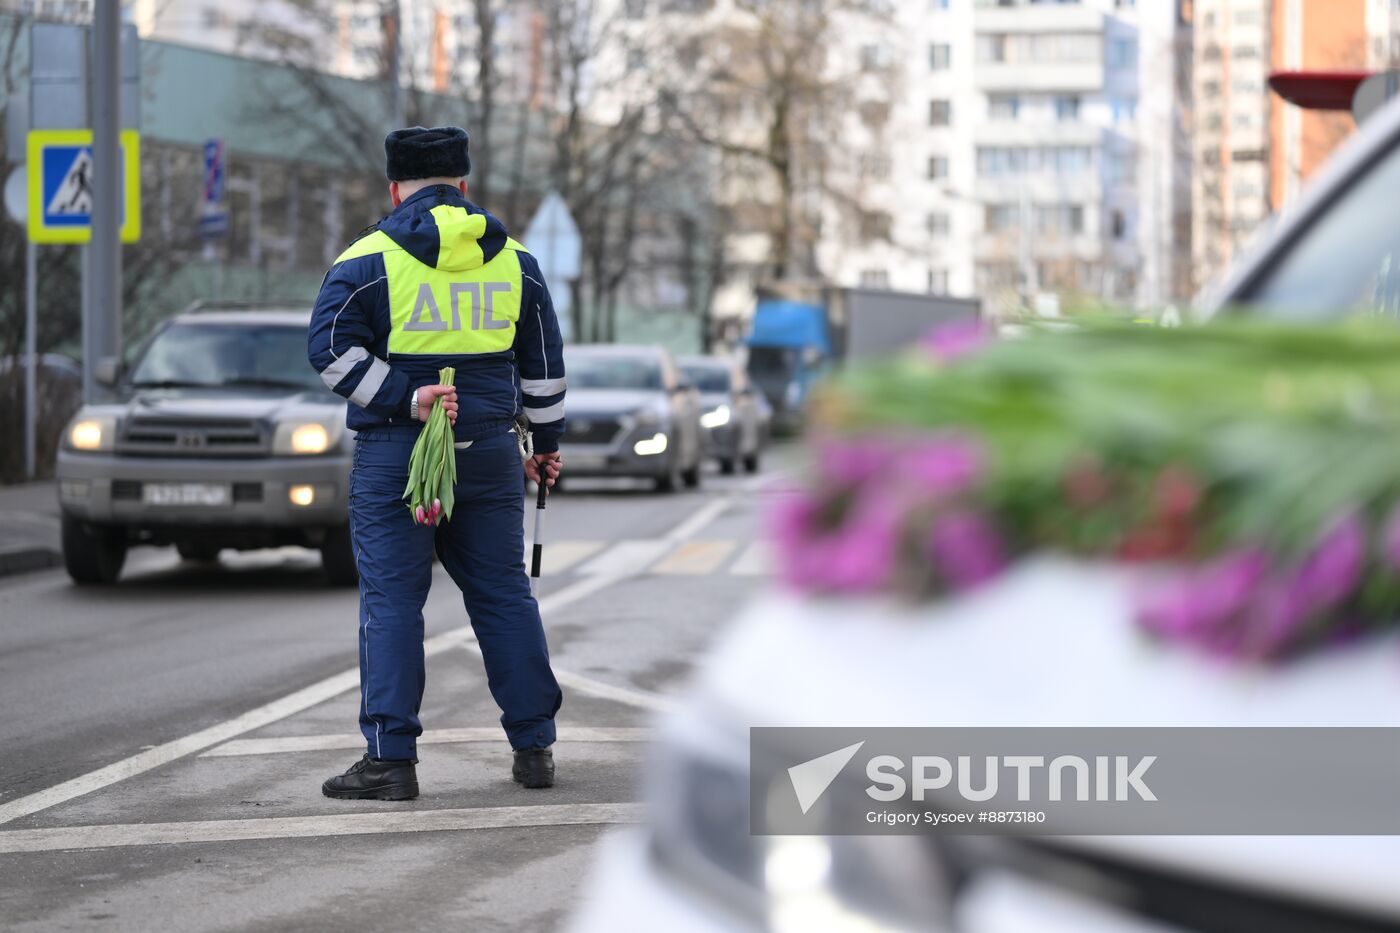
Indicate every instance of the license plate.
{"type": "Point", "coordinates": [585, 461]}
{"type": "Point", "coordinates": [200, 494]}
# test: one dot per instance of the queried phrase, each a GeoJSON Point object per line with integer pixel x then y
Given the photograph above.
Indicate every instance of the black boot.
{"type": "Point", "coordinates": [375, 779]}
{"type": "Point", "coordinates": [534, 767]}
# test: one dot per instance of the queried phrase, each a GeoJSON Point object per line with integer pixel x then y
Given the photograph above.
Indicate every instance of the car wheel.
{"type": "Point", "coordinates": [338, 558]}
{"type": "Point", "coordinates": [751, 462]}
{"type": "Point", "coordinates": [91, 556]}
{"type": "Point", "coordinates": [198, 552]}
{"type": "Point", "coordinates": [727, 466]}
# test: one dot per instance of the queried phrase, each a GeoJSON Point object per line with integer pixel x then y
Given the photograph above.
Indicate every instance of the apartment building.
{"type": "Point", "coordinates": [1042, 149]}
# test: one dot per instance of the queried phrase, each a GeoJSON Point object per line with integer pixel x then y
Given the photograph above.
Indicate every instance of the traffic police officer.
{"type": "Point", "coordinates": [439, 283]}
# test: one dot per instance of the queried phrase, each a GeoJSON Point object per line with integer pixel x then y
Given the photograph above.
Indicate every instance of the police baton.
{"type": "Point", "coordinates": [536, 557]}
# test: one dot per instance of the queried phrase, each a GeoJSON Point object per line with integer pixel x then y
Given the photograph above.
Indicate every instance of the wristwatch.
{"type": "Point", "coordinates": [413, 406]}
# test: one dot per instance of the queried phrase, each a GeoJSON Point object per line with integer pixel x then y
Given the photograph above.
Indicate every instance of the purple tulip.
{"type": "Point", "coordinates": [1333, 569]}
{"type": "Point", "coordinates": [966, 549]}
{"type": "Point", "coordinates": [944, 466]}
{"type": "Point", "coordinates": [949, 342]}
{"type": "Point", "coordinates": [853, 462]}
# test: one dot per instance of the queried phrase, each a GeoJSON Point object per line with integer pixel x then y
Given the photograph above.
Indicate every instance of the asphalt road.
{"type": "Point", "coordinates": [166, 738]}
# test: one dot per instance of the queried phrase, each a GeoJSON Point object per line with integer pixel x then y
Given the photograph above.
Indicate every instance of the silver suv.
{"type": "Point", "coordinates": [221, 436]}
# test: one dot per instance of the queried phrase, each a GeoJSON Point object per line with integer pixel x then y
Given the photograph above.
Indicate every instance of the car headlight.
{"type": "Point", "coordinates": [304, 437]}
{"type": "Point", "coordinates": [91, 432]}
{"type": "Point", "coordinates": [650, 446]}
{"type": "Point", "coordinates": [701, 837]}
{"type": "Point", "coordinates": [716, 418]}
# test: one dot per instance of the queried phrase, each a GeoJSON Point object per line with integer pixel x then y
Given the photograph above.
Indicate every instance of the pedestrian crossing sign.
{"type": "Point", "coordinates": [60, 186]}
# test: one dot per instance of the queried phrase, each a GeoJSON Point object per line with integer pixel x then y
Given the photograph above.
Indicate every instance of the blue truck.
{"type": "Point", "coordinates": [797, 338]}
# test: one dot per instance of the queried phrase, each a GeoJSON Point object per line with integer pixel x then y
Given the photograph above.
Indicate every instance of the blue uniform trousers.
{"type": "Point", "coordinates": [482, 549]}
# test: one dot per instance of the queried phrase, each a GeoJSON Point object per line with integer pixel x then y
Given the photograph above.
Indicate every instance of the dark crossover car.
{"type": "Point", "coordinates": [734, 425]}
{"type": "Point", "coordinates": [631, 412]}
{"type": "Point", "coordinates": [221, 436]}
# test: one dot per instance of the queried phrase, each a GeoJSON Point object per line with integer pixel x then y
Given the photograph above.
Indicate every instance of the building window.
{"type": "Point", "coordinates": [940, 56]}
{"type": "Point", "coordinates": [636, 60]}
{"type": "Point", "coordinates": [938, 224]}
{"type": "Point", "coordinates": [1066, 107]}
{"type": "Point", "coordinates": [1003, 106]}
{"type": "Point", "coordinates": [1124, 109]}
{"type": "Point", "coordinates": [1060, 219]}
{"type": "Point", "coordinates": [875, 57]}
{"type": "Point", "coordinates": [636, 9]}
{"type": "Point", "coordinates": [938, 4]}
{"type": "Point", "coordinates": [875, 167]}
{"type": "Point", "coordinates": [874, 278]}
{"type": "Point", "coordinates": [1119, 225]}
{"type": "Point", "coordinates": [940, 113]}
{"type": "Point", "coordinates": [1001, 218]}
{"type": "Point", "coordinates": [876, 225]}
{"type": "Point", "coordinates": [938, 281]}
{"type": "Point", "coordinates": [1242, 52]}
{"type": "Point", "coordinates": [937, 168]}
{"type": "Point", "coordinates": [1122, 53]}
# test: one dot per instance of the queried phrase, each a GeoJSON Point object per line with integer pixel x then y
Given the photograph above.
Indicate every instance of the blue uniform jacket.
{"type": "Point", "coordinates": [439, 283]}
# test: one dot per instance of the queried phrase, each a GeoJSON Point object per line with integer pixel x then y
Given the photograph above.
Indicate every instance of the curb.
{"type": "Point", "coordinates": [27, 559]}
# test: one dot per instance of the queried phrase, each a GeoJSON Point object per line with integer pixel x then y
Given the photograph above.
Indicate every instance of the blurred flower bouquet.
{"type": "Point", "coordinates": [1250, 470]}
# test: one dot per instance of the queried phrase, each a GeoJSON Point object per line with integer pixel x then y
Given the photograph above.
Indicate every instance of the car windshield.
{"type": "Point", "coordinates": [708, 379]}
{"type": "Point", "coordinates": [613, 372]}
{"type": "Point", "coordinates": [1346, 264]}
{"type": "Point", "coordinates": [227, 355]}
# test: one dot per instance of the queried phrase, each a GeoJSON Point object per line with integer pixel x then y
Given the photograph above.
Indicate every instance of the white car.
{"type": "Point", "coordinates": [1051, 644]}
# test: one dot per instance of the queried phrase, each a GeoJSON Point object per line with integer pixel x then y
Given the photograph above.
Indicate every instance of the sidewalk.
{"type": "Point", "coordinates": [28, 527]}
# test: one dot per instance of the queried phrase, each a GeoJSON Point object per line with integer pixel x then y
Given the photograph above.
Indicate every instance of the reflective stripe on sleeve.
{"type": "Point", "coordinates": [374, 378]}
{"type": "Point", "coordinates": [542, 386]}
{"type": "Point", "coordinates": [545, 415]}
{"type": "Point", "coordinates": [341, 366]}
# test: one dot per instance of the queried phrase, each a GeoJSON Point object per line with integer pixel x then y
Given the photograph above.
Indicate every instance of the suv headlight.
{"type": "Point", "coordinates": [304, 437]}
{"type": "Point", "coordinates": [91, 433]}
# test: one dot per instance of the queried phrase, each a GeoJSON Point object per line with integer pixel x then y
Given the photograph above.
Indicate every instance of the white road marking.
{"type": "Point", "coordinates": [391, 819]}
{"type": "Point", "coordinates": [626, 558]}
{"type": "Point", "coordinates": [284, 744]}
{"type": "Point", "coordinates": [345, 681]}
{"type": "Point", "coordinates": [755, 561]}
{"type": "Point", "coordinates": [272, 712]}
{"type": "Point", "coordinates": [559, 556]}
{"type": "Point", "coordinates": [695, 558]}
{"type": "Point", "coordinates": [701, 517]}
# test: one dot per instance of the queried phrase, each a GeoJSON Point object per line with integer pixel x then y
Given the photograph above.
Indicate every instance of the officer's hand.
{"type": "Point", "coordinates": [426, 396]}
{"type": "Point", "coordinates": [552, 464]}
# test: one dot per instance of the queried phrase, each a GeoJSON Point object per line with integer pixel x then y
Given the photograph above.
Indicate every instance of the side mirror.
{"type": "Point", "coordinates": [107, 371]}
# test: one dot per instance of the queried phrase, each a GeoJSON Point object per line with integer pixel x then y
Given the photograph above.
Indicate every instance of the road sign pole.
{"type": "Point", "coordinates": [31, 362]}
{"type": "Point", "coordinates": [105, 307]}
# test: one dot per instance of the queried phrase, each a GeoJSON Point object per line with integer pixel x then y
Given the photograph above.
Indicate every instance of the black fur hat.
{"type": "Point", "coordinates": [440, 152]}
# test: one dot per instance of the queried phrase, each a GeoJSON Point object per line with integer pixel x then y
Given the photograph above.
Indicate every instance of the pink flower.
{"type": "Point", "coordinates": [1333, 569]}
{"type": "Point", "coordinates": [957, 339]}
{"type": "Point", "coordinates": [853, 462]}
{"type": "Point", "coordinates": [966, 550]}
{"type": "Point", "coordinates": [943, 467]}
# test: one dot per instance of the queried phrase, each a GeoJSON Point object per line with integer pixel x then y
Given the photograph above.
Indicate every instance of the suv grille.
{"type": "Point", "coordinates": [585, 430]}
{"type": "Point", "coordinates": [189, 438]}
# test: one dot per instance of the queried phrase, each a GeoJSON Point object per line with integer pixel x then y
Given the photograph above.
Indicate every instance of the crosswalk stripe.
{"type": "Point", "coordinates": [559, 556]}
{"type": "Point", "coordinates": [626, 557]}
{"type": "Point", "coordinates": [695, 558]}
{"type": "Point", "coordinates": [755, 561]}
